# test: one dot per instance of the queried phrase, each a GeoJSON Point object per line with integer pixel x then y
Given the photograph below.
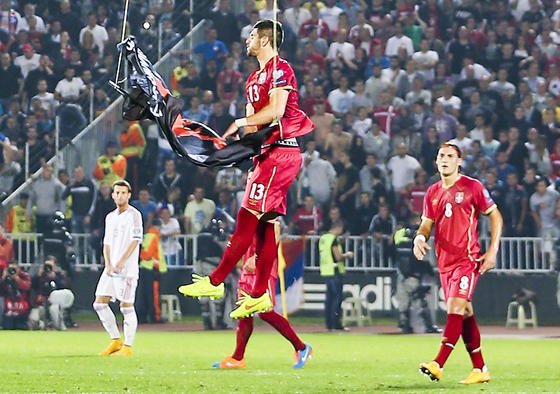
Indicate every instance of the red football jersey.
{"type": "Point", "coordinates": [278, 74]}
{"type": "Point", "coordinates": [455, 213]}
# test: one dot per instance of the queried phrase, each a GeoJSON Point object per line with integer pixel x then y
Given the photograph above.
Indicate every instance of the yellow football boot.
{"type": "Point", "coordinates": [476, 376]}
{"type": "Point", "coordinates": [114, 346]}
{"type": "Point", "coordinates": [201, 287]}
{"type": "Point", "coordinates": [431, 370]}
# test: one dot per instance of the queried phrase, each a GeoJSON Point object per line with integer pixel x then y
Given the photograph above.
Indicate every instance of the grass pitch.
{"type": "Point", "coordinates": [171, 362]}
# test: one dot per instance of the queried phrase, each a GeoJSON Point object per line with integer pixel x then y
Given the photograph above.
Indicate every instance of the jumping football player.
{"type": "Point", "coordinates": [272, 96]}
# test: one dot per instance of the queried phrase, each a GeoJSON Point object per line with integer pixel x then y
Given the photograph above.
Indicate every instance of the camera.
{"type": "Point", "coordinates": [12, 271]}
{"type": "Point", "coordinates": [47, 267]}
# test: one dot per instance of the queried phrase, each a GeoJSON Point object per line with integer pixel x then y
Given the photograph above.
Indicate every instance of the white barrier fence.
{"type": "Point", "coordinates": [515, 254]}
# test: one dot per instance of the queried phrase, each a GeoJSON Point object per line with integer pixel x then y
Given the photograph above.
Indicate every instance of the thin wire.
{"type": "Point", "coordinates": [274, 41]}
{"type": "Point", "coordinates": [123, 32]}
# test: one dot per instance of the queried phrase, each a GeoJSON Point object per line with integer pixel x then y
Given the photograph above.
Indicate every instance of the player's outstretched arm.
{"type": "Point", "coordinates": [488, 259]}
{"type": "Point", "coordinates": [271, 112]}
{"type": "Point", "coordinates": [420, 242]}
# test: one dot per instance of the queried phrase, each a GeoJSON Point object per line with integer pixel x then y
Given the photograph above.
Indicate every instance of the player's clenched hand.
{"type": "Point", "coordinates": [119, 267]}
{"type": "Point", "coordinates": [421, 247]}
{"type": "Point", "coordinates": [488, 261]}
{"type": "Point", "coordinates": [231, 131]}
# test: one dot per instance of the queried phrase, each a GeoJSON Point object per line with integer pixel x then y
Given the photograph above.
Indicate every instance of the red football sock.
{"type": "Point", "coordinates": [471, 337]}
{"type": "Point", "coordinates": [267, 253]}
{"type": "Point", "coordinates": [244, 331]}
{"type": "Point", "coordinates": [283, 327]}
{"type": "Point", "coordinates": [237, 245]}
{"type": "Point", "coordinates": [451, 334]}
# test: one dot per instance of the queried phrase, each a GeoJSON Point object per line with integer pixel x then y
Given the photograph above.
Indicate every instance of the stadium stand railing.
{"type": "Point", "coordinates": [522, 255]}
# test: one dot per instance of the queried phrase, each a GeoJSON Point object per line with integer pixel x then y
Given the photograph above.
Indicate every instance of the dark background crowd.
{"type": "Point", "coordinates": [383, 81]}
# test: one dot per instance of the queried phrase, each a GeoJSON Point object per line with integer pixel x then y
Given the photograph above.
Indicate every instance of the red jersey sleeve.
{"type": "Point", "coordinates": [482, 199]}
{"type": "Point", "coordinates": [428, 210]}
{"type": "Point", "coordinates": [283, 77]}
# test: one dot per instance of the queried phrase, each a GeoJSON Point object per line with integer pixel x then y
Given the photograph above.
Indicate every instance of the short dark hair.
{"type": "Point", "coordinates": [122, 182]}
{"type": "Point", "coordinates": [453, 146]}
{"type": "Point", "coordinates": [266, 27]}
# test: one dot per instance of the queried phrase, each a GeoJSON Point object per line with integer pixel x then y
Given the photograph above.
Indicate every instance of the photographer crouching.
{"type": "Point", "coordinates": [15, 287]}
{"type": "Point", "coordinates": [414, 279]}
{"type": "Point", "coordinates": [52, 297]}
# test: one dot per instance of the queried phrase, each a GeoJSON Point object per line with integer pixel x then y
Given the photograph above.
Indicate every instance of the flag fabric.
{"type": "Point", "coordinates": [149, 98]}
{"type": "Point", "coordinates": [290, 268]}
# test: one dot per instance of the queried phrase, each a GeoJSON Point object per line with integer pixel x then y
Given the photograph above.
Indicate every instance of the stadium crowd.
{"type": "Point", "coordinates": [384, 82]}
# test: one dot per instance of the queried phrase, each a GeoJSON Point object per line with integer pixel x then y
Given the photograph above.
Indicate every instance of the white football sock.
{"type": "Point", "coordinates": [130, 324]}
{"type": "Point", "coordinates": [107, 318]}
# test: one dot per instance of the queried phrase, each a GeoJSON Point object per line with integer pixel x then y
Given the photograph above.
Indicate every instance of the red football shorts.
{"type": "Point", "coordinates": [247, 281]}
{"type": "Point", "coordinates": [460, 282]}
{"type": "Point", "coordinates": [273, 174]}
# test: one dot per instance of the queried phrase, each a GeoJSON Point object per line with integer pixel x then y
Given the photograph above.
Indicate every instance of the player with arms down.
{"type": "Point", "coordinates": [123, 236]}
{"type": "Point", "coordinates": [452, 206]}
{"type": "Point", "coordinates": [272, 97]}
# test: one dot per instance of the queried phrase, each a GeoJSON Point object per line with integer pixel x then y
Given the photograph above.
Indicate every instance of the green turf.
{"type": "Point", "coordinates": [180, 362]}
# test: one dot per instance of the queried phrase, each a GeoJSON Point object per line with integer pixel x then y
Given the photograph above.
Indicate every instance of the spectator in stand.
{"type": "Point", "coordinates": [402, 168]}
{"type": "Point", "coordinates": [445, 124]}
{"type": "Point", "coordinates": [426, 60]}
{"type": "Point", "coordinates": [229, 83]}
{"type": "Point", "coordinates": [28, 61]}
{"type": "Point", "coordinates": [220, 119]}
{"type": "Point", "coordinates": [412, 141]}
{"type": "Point", "coordinates": [382, 227]}
{"type": "Point", "coordinates": [340, 99]}
{"type": "Point", "coordinates": [516, 151]}
{"type": "Point", "coordinates": [133, 144]}
{"type": "Point", "coordinates": [386, 113]}
{"type": "Point", "coordinates": [110, 166]}
{"type": "Point", "coordinates": [83, 193]}
{"type": "Point", "coordinates": [229, 179]}
{"type": "Point", "coordinates": [11, 80]}
{"type": "Point", "coordinates": [98, 32]}
{"type": "Point", "coordinates": [315, 23]}
{"type": "Point", "coordinates": [198, 212]}
{"type": "Point", "coordinates": [365, 211]}
{"type": "Point", "coordinates": [307, 219]}
{"type": "Point", "coordinates": [375, 84]}
{"type": "Point", "coordinates": [503, 168]}
{"type": "Point", "coordinates": [212, 48]}
{"type": "Point", "coordinates": [146, 206]}
{"type": "Point", "coordinates": [69, 89]}
{"type": "Point", "coordinates": [14, 287]}
{"type": "Point", "coordinates": [543, 205]}
{"type": "Point", "coordinates": [168, 180]}
{"type": "Point", "coordinates": [46, 195]}
{"type": "Point", "coordinates": [169, 231]}
{"type": "Point", "coordinates": [397, 41]}
{"type": "Point", "coordinates": [103, 205]}
{"type": "Point", "coordinates": [323, 122]}
{"type": "Point", "coordinates": [46, 98]}
{"type": "Point", "coordinates": [196, 111]}
{"type": "Point", "coordinates": [348, 184]}
{"type": "Point", "coordinates": [317, 179]}
{"type": "Point", "coordinates": [462, 139]}
{"type": "Point", "coordinates": [338, 141]}
{"type": "Point", "coordinates": [341, 53]}
{"type": "Point", "coordinates": [9, 167]}
{"type": "Point", "coordinates": [514, 208]}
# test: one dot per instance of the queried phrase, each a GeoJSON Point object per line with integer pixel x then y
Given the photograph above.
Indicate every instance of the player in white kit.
{"type": "Point", "coordinates": [123, 236]}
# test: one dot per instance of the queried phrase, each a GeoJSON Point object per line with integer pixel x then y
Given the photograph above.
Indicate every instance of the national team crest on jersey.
{"type": "Point", "coordinates": [262, 78]}
{"type": "Point", "coordinates": [459, 197]}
